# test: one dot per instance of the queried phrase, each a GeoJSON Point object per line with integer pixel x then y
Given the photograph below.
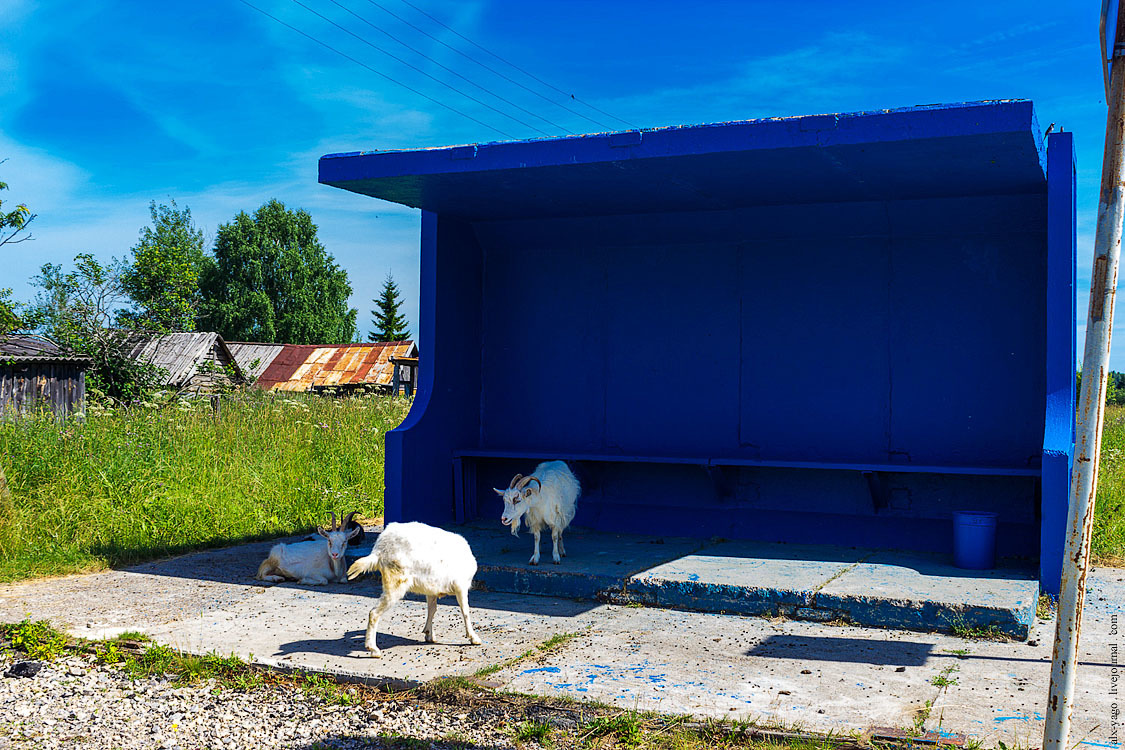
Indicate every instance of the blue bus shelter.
{"type": "Point", "coordinates": [830, 329]}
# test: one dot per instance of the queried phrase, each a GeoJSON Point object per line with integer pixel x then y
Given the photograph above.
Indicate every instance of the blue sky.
{"type": "Point", "coordinates": [105, 106]}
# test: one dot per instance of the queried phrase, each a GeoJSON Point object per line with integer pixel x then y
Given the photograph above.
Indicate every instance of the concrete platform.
{"type": "Point", "coordinates": [823, 677]}
{"type": "Point", "coordinates": [870, 588]}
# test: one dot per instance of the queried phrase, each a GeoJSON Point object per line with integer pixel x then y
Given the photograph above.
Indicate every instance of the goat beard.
{"type": "Point", "coordinates": [516, 525]}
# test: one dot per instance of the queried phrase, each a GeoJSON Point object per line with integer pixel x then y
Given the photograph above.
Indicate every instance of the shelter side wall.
{"type": "Point", "coordinates": [446, 410]}
{"type": "Point", "coordinates": [1062, 317]}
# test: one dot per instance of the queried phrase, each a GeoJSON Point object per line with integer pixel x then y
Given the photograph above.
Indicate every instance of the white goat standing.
{"type": "Point", "coordinates": [420, 559]}
{"type": "Point", "coordinates": [552, 503]}
{"type": "Point", "coordinates": [315, 562]}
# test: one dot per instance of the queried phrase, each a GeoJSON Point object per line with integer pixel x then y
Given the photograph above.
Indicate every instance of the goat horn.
{"type": "Point", "coordinates": [528, 480]}
{"type": "Point", "coordinates": [333, 527]}
{"type": "Point", "coordinates": [347, 520]}
{"type": "Point", "coordinates": [515, 479]}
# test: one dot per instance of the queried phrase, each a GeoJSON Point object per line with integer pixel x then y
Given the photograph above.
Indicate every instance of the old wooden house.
{"type": "Point", "coordinates": [35, 374]}
{"type": "Point", "coordinates": [192, 362]}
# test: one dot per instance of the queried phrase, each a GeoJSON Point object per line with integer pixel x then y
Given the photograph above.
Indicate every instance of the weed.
{"type": "Point", "coordinates": [921, 716]}
{"type": "Point", "coordinates": [960, 652]}
{"type": "Point", "coordinates": [327, 690]}
{"type": "Point", "coordinates": [539, 731]}
{"type": "Point", "coordinates": [626, 728]}
{"type": "Point", "coordinates": [552, 643]}
{"type": "Point", "coordinates": [961, 629]}
{"type": "Point", "coordinates": [556, 640]}
{"type": "Point", "coordinates": [943, 678]}
{"type": "Point", "coordinates": [36, 638]}
{"type": "Point", "coordinates": [1045, 607]}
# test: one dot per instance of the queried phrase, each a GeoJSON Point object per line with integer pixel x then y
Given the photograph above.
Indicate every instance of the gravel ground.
{"type": "Point", "coordinates": [73, 702]}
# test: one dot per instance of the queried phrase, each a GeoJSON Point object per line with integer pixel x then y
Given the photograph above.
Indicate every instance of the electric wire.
{"type": "Point", "coordinates": [415, 67]}
{"type": "Point", "coordinates": [376, 72]}
{"type": "Point", "coordinates": [383, 31]}
{"type": "Point", "coordinates": [491, 69]}
{"type": "Point", "coordinates": [506, 62]}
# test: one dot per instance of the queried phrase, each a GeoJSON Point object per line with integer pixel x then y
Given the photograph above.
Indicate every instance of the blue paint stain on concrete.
{"type": "Point", "coordinates": [1099, 744]}
{"type": "Point", "coordinates": [1023, 717]}
{"type": "Point", "coordinates": [541, 669]}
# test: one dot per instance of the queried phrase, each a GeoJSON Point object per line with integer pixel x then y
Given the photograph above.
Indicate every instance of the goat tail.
{"type": "Point", "coordinates": [363, 565]}
{"type": "Point", "coordinates": [265, 567]}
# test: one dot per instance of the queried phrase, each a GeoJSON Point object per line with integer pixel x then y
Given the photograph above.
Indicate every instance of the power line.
{"type": "Point", "coordinates": [415, 67]}
{"type": "Point", "coordinates": [448, 69]}
{"type": "Point", "coordinates": [512, 64]}
{"type": "Point", "coordinates": [376, 72]}
{"type": "Point", "coordinates": [489, 68]}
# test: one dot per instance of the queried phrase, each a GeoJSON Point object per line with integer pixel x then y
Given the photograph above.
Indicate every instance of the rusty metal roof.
{"type": "Point", "coordinates": [304, 367]}
{"type": "Point", "coordinates": [26, 348]}
{"type": "Point", "coordinates": [178, 354]}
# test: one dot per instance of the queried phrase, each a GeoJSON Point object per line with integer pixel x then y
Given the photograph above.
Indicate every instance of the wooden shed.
{"type": "Point", "coordinates": [197, 361]}
{"type": "Point", "coordinates": [35, 373]}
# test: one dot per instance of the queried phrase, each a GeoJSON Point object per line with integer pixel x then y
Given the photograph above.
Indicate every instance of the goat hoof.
{"type": "Point", "coordinates": [475, 640]}
{"type": "Point", "coordinates": [557, 562]}
{"type": "Point", "coordinates": [430, 638]}
{"type": "Point", "coordinates": [376, 653]}
{"type": "Point", "coordinates": [533, 562]}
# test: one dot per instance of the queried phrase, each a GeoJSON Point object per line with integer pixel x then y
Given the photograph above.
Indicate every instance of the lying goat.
{"type": "Point", "coordinates": [552, 502]}
{"type": "Point", "coordinates": [314, 562]}
{"type": "Point", "coordinates": [420, 559]}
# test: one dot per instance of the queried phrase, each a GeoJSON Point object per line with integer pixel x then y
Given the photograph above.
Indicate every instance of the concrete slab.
{"type": "Point", "coordinates": [922, 592]}
{"type": "Point", "coordinates": [745, 578]}
{"type": "Point", "coordinates": [821, 676]}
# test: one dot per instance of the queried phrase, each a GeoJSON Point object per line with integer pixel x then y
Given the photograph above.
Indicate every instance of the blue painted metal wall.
{"type": "Point", "coordinates": [820, 329]}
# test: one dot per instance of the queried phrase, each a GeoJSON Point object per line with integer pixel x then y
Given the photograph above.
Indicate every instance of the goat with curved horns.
{"type": "Point", "coordinates": [315, 562]}
{"type": "Point", "coordinates": [552, 502]}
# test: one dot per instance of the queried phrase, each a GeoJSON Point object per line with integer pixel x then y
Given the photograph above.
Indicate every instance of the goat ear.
{"type": "Point", "coordinates": [498, 492]}
{"type": "Point", "coordinates": [354, 532]}
{"type": "Point", "coordinates": [320, 530]}
{"type": "Point", "coordinates": [527, 492]}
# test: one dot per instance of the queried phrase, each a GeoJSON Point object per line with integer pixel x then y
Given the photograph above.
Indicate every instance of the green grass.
{"type": "Point", "coordinates": [533, 731]}
{"type": "Point", "coordinates": [132, 484]}
{"type": "Point", "coordinates": [626, 729]}
{"type": "Point", "coordinates": [1108, 546]}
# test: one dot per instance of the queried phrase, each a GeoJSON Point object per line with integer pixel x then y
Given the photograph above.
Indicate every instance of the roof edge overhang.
{"type": "Point", "coordinates": [948, 149]}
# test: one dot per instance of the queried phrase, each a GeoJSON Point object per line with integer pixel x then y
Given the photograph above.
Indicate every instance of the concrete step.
{"type": "Point", "coordinates": [874, 588]}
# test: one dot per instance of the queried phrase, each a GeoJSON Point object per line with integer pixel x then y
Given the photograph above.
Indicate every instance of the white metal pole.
{"type": "Point", "coordinates": [1091, 405]}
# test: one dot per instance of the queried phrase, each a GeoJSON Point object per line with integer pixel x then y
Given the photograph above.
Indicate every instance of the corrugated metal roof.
{"type": "Point", "coordinates": [27, 348]}
{"type": "Point", "coordinates": [253, 358]}
{"type": "Point", "coordinates": [303, 367]}
{"type": "Point", "coordinates": [177, 353]}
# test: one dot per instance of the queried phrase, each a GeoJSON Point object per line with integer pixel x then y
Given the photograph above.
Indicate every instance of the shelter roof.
{"type": "Point", "coordinates": [981, 148]}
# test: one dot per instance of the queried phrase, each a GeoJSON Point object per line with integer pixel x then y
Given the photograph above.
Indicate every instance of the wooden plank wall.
{"type": "Point", "coordinates": [25, 387]}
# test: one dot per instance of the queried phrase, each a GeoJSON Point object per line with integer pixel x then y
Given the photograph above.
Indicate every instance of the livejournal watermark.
{"type": "Point", "coordinates": [1115, 686]}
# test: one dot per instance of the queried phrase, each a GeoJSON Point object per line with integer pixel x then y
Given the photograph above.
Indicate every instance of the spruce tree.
{"type": "Point", "coordinates": [390, 324]}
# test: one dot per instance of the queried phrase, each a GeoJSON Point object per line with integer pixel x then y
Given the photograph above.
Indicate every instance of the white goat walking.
{"type": "Point", "coordinates": [420, 559]}
{"type": "Point", "coordinates": [552, 503]}
{"type": "Point", "coordinates": [315, 562]}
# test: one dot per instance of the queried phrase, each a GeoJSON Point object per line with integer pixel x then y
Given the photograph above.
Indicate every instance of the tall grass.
{"type": "Point", "coordinates": [138, 483]}
{"type": "Point", "coordinates": [1108, 547]}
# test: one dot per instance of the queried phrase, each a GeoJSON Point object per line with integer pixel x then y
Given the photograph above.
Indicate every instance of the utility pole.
{"type": "Point", "coordinates": [1091, 401]}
